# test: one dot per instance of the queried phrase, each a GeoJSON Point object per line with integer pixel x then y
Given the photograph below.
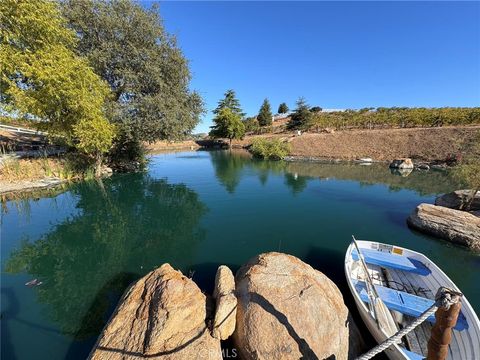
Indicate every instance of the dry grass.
{"type": "Point", "coordinates": [34, 169]}
{"type": "Point", "coordinates": [427, 144]}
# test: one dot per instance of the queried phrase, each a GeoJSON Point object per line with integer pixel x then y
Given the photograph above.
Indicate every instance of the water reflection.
{"type": "Point", "coordinates": [228, 168]}
{"type": "Point", "coordinates": [296, 183]}
{"type": "Point", "coordinates": [230, 165]}
{"type": "Point", "coordinates": [126, 226]}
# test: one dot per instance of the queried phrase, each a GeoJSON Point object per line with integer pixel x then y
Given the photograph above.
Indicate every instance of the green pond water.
{"type": "Point", "coordinates": [195, 210]}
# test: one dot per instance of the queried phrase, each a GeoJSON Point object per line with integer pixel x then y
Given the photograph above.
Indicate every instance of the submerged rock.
{"type": "Point", "coordinates": [162, 316]}
{"type": "Point", "coordinates": [404, 163]}
{"type": "Point", "coordinates": [456, 199]}
{"type": "Point", "coordinates": [226, 304]}
{"type": "Point", "coordinates": [288, 310]}
{"type": "Point", "coordinates": [457, 226]}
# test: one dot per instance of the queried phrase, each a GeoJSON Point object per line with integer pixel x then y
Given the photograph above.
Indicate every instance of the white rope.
{"type": "Point", "coordinates": [395, 338]}
{"type": "Point", "coordinates": [444, 298]}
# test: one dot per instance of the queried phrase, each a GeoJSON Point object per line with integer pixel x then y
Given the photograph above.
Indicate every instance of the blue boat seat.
{"type": "Point", "coordinates": [412, 355]}
{"type": "Point", "coordinates": [404, 302]}
{"type": "Point", "coordinates": [393, 261]}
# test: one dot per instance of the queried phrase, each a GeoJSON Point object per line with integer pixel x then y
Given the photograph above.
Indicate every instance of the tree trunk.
{"type": "Point", "coordinates": [230, 145]}
{"type": "Point", "coordinates": [98, 165]}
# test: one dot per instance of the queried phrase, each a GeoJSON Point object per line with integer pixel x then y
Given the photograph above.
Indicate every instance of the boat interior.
{"type": "Point", "coordinates": [408, 287]}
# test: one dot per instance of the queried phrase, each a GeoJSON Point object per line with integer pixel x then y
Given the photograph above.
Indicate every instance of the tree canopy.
{"type": "Point", "coordinates": [231, 102]}
{"type": "Point", "coordinates": [228, 124]}
{"type": "Point", "coordinates": [302, 115]}
{"type": "Point", "coordinates": [41, 76]}
{"type": "Point", "coordinates": [283, 108]}
{"type": "Point", "coordinates": [148, 74]}
{"type": "Point", "coordinates": [265, 114]}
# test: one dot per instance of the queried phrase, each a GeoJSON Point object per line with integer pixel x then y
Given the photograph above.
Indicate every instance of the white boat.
{"type": "Point", "coordinates": [407, 282]}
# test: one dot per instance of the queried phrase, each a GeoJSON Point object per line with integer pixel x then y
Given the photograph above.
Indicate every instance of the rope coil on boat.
{"type": "Point", "coordinates": [445, 298]}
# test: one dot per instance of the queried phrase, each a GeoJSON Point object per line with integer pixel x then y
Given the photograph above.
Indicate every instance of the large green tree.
{"type": "Point", "coordinates": [265, 114]}
{"type": "Point", "coordinates": [41, 76]}
{"type": "Point", "coordinates": [228, 124]}
{"type": "Point", "coordinates": [302, 116]}
{"type": "Point", "coordinates": [148, 74]}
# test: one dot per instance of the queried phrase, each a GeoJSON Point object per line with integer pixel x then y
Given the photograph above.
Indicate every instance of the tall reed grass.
{"type": "Point", "coordinates": [66, 168]}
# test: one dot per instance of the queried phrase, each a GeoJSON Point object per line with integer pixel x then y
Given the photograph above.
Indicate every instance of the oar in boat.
{"type": "Point", "coordinates": [382, 315]}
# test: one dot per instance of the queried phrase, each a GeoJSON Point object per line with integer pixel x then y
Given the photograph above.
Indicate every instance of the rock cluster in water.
{"type": "Point", "coordinates": [456, 226]}
{"type": "Point", "coordinates": [402, 164]}
{"type": "Point", "coordinates": [277, 307]}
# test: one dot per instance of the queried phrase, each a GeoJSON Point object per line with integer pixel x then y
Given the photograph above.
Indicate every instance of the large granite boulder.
{"type": "Point", "coordinates": [404, 163]}
{"type": "Point", "coordinates": [162, 316]}
{"type": "Point", "coordinates": [288, 310]}
{"type": "Point", "coordinates": [457, 199]}
{"type": "Point", "coordinates": [226, 304]}
{"type": "Point", "coordinates": [457, 226]}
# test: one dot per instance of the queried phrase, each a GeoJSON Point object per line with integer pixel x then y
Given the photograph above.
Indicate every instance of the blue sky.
{"type": "Point", "coordinates": [335, 54]}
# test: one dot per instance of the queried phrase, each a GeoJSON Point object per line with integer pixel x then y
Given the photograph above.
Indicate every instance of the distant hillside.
{"type": "Point", "coordinates": [384, 144]}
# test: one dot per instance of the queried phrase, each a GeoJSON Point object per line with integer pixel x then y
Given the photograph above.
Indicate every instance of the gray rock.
{"type": "Point", "coordinates": [457, 199]}
{"type": "Point", "coordinates": [459, 227]}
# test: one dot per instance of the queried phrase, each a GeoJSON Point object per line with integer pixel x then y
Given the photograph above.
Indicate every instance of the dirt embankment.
{"type": "Point", "coordinates": [422, 144]}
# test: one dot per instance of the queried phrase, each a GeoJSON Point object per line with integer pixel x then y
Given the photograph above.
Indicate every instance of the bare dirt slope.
{"type": "Point", "coordinates": [384, 144]}
{"type": "Point", "coordinates": [427, 144]}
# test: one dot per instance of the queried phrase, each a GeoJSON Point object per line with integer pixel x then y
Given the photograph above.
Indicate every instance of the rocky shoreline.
{"type": "Point", "coordinates": [276, 307]}
{"type": "Point", "coordinates": [446, 219]}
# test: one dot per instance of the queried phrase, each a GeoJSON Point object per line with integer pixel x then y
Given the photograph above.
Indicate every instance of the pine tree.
{"type": "Point", "coordinates": [302, 115]}
{"type": "Point", "coordinates": [283, 108]}
{"type": "Point", "coordinates": [265, 115]}
{"type": "Point", "coordinates": [231, 102]}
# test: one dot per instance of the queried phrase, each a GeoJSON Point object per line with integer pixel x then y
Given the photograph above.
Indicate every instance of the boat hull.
{"type": "Point", "coordinates": [467, 341]}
